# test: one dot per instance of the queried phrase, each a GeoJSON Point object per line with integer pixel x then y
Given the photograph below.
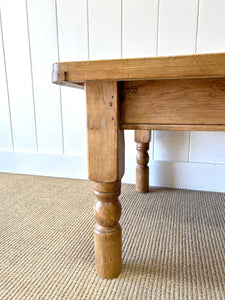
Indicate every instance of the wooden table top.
{"type": "Point", "coordinates": [185, 66]}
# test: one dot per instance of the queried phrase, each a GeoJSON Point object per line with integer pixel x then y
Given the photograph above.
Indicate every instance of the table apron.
{"type": "Point", "coordinates": [176, 104]}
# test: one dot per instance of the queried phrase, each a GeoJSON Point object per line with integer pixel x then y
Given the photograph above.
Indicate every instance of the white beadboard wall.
{"type": "Point", "coordinates": [43, 126]}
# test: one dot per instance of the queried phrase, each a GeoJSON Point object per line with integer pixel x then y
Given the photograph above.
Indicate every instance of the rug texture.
{"type": "Point", "coordinates": [173, 242]}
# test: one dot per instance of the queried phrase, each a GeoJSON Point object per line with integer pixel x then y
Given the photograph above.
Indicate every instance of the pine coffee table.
{"type": "Point", "coordinates": [163, 93]}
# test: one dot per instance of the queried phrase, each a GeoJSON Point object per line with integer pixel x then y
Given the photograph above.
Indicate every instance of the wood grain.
{"type": "Point", "coordinates": [189, 93]}
{"type": "Point", "coordinates": [186, 66]}
{"type": "Point", "coordinates": [60, 78]}
{"type": "Point", "coordinates": [107, 232]}
{"type": "Point", "coordinates": [142, 139]}
{"type": "Point", "coordinates": [105, 139]}
{"type": "Point", "coordinates": [178, 127]}
{"type": "Point", "coordinates": [105, 169]}
{"type": "Point", "coordinates": [174, 101]}
{"type": "Point", "coordinates": [142, 136]}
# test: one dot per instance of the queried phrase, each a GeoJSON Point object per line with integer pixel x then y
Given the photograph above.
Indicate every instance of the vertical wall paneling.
{"type": "Point", "coordinates": [5, 127]}
{"type": "Point", "coordinates": [208, 147]}
{"type": "Point", "coordinates": [139, 28]}
{"type": "Point", "coordinates": [17, 56]}
{"type": "Point", "coordinates": [74, 120]}
{"type": "Point", "coordinates": [130, 146]}
{"type": "Point", "coordinates": [72, 30]}
{"type": "Point", "coordinates": [73, 45]}
{"type": "Point", "coordinates": [211, 29]}
{"type": "Point", "coordinates": [176, 35]}
{"type": "Point", "coordinates": [44, 51]}
{"type": "Point", "coordinates": [171, 145]}
{"type": "Point", "coordinates": [36, 115]}
{"type": "Point", "coordinates": [104, 29]}
{"type": "Point", "coordinates": [177, 27]}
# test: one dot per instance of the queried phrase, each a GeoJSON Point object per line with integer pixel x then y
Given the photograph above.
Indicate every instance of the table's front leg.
{"type": "Point", "coordinates": [105, 169]}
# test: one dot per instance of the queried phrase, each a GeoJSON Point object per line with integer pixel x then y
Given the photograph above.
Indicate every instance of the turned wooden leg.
{"type": "Point", "coordinates": [105, 169]}
{"type": "Point", "coordinates": [107, 233]}
{"type": "Point", "coordinates": [142, 139]}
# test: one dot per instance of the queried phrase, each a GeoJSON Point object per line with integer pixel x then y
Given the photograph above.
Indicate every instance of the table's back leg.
{"type": "Point", "coordinates": [142, 139]}
{"type": "Point", "coordinates": [105, 169]}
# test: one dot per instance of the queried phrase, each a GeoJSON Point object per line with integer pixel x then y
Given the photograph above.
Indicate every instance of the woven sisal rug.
{"type": "Point", "coordinates": [173, 242]}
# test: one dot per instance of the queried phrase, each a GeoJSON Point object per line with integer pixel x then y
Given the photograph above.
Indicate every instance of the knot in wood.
{"type": "Point", "coordinates": [131, 90]}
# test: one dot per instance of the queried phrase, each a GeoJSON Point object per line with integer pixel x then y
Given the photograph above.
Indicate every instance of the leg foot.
{"type": "Point", "coordinates": [107, 233]}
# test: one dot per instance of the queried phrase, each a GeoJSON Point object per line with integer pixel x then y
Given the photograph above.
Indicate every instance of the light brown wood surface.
{"type": "Point", "coordinates": [142, 136]}
{"type": "Point", "coordinates": [142, 139]}
{"type": "Point", "coordinates": [202, 65]}
{"type": "Point", "coordinates": [105, 138]}
{"type": "Point", "coordinates": [177, 127]}
{"type": "Point", "coordinates": [107, 232]}
{"type": "Point", "coordinates": [61, 79]}
{"type": "Point", "coordinates": [174, 93]}
{"type": "Point", "coordinates": [105, 169]}
{"type": "Point", "coordinates": [177, 101]}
